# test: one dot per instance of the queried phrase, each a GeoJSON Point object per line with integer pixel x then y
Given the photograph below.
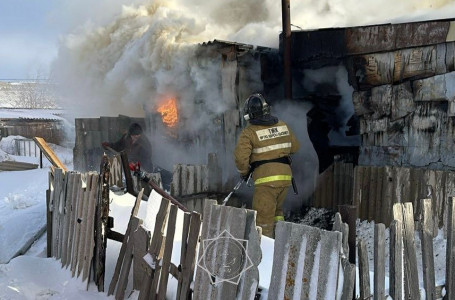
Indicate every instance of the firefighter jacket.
{"type": "Point", "coordinates": [266, 142]}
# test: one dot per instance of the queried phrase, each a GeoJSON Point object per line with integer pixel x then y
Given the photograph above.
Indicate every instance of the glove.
{"type": "Point", "coordinates": [105, 144]}
{"type": "Point", "coordinates": [134, 166]}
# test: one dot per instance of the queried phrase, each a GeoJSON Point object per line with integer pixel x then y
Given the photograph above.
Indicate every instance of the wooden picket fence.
{"type": "Point", "coordinates": [73, 223]}
{"type": "Point", "coordinates": [71, 214]}
{"type": "Point", "coordinates": [374, 190]}
{"type": "Point", "coordinates": [307, 261]}
{"type": "Point", "coordinates": [403, 259]}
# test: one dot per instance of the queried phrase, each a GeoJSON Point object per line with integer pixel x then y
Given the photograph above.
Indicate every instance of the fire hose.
{"type": "Point", "coordinates": [236, 187]}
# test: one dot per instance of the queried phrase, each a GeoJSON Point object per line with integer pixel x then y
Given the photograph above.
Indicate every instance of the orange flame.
{"type": "Point", "coordinates": [169, 113]}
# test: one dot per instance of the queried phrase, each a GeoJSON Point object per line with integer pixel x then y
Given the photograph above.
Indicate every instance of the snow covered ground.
{"type": "Point", "coordinates": [23, 216]}
{"type": "Point", "coordinates": [34, 276]}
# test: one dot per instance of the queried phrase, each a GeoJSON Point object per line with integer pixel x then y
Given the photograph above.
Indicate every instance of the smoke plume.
{"type": "Point", "coordinates": [122, 57]}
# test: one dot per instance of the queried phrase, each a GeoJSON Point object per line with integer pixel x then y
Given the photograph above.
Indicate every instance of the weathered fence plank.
{"type": "Point", "coordinates": [364, 271]}
{"type": "Point", "coordinates": [188, 256]}
{"type": "Point", "coordinates": [363, 208]}
{"type": "Point", "coordinates": [72, 215]}
{"type": "Point", "coordinates": [358, 177]}
{"type": "Point", "coordinates": [90, 229]}
{"type": "Point", "coordinates": [67, 214]}
{"type": "Point", "coordinates": [378, 214]}
{"type": "Point", "coordinates": [315, 251]}
{"type": "Point", "coordinates": [387, 198]}
{"type": "Point", "coordinates": [49, 197]}
{"type": "Point", "coordinates": [396, 260]}
{"type": "Point", "coordinates": [83, 225]}
{"type": "Point", "coordinates": [371, 201]}
{"type": "Point", "coordinates": [101, 223]}
{"type": "Point", "coordinates": [166, 262]}
{"type": "Point", "coordinates": [153, 255]}
{"type": "Point", "coordinates": [77, 222]}
{"type": "Point", "coordinates": [227, 238]}
{"type": "Point", "coordinates": [129, 230]}
{"type": "Point", "coordinates": [450, 250]}
{"type": "Point", "coordinates": [379, 262]}
{"type": "Point", "coordinates": [427, 249]}
{"type": "Point", "coordinates": [54, 204]}
{"type": "Point", "coordinates": [404, 213]}
{"type": "Point", "coordinates": [127, 258]}
{"type": "Point", "coordinates": [142, 238]}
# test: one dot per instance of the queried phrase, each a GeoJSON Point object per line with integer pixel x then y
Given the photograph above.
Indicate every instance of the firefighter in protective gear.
{"type": "Point", "coordinates": [265, 146]}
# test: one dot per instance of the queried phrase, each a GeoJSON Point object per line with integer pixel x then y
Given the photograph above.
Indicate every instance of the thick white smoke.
{"type": "Point", "coordinates": [121, 57]}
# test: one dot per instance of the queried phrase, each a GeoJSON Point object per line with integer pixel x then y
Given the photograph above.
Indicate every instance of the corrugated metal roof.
{"type": "Point", "coordinates": [239, 46]}
{"type": "Point", "coordinates": [31, 114]}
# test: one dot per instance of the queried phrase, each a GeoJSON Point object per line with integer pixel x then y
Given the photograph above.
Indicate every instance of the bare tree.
{"type": "Point", "coordinates": [36, 93]}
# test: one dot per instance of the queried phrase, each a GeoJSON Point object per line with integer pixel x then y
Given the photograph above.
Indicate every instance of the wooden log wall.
{"type": "Point", "coordinates": [408, 124]}
{"type": "Point", "coordinates": [374, 190]}
{"type": "Point", "coordinates": [404, 97]}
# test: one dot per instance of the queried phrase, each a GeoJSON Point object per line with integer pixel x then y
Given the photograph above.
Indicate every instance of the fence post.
{"type": "Point", "coordinates": [364, 271]}
{"type": "Point", "coordinates": [427, 249]}
{"type": "Point", "coordinates": [396, 260]}
{"type": "Point", "coordinates": [101, 217]}
{"type": "Point", "coordinates": [404, 213]}
{"type": "Point", "coordinates": [450, 248]}
{"type": "Point", "coordinates": [379, 262]}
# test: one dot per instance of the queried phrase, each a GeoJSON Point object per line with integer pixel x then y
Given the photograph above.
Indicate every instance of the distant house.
{"type": "Point", "coordinates": [45, 123]}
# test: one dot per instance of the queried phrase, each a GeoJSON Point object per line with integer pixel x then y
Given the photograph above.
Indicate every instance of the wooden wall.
{"type": "Point", "coordinates": [91, 132]}
{"type": "Point", "coordinates": [51, 130]}
{"type": "Point", "coordinates": [403, 93]}
{"type": "Point", "coordinates": [374, 190]}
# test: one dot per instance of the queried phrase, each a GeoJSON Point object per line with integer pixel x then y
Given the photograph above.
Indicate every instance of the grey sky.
{"type": "Point", "coordinates": [30, 31]}
{"type": "Point", "coordinates": [28, 38]}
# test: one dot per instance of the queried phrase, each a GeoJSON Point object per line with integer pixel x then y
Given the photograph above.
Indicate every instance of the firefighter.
{"type": "Point", "coordinates": [264, 147]}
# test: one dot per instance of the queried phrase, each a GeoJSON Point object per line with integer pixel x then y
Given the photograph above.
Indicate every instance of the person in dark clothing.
{"type": "Point", "coordinates": [136, 146]}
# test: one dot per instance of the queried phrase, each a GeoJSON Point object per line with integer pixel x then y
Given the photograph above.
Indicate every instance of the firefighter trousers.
{"type": "Point", "coordinates": [268, 202]}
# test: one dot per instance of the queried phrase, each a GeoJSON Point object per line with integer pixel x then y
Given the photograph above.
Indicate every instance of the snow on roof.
{"type": "Point", "coordinates": [31, 114]}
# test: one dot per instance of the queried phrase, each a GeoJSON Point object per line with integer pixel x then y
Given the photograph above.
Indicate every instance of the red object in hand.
{"type": "Point", "coordinates": [134, 166]}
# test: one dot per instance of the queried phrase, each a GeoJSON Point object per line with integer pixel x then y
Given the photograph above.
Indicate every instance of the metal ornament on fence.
{"type": "Point", "coordinates": [225, 258]}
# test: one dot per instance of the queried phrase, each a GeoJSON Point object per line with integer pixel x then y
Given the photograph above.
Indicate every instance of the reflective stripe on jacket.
{"type": "Point", "coordinates": [259, 142]}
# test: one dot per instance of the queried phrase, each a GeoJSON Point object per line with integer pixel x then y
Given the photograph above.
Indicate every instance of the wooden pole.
{"type": "Point", "coordinates": [286, 19]}
{"type": "Point", "coordinates": [102, 215]}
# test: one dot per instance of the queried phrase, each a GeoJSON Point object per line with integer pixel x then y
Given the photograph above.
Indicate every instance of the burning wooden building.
{"type": "Point", "coordinates": [189, 131]}
{"type": "Point", "coordinates": [381, 96]}
{"type": "Point", "coordinates": [401, 76]}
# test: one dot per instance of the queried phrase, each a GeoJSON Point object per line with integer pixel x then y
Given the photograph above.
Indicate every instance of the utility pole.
{"type": "Point", "coordinates": [287, 72]}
